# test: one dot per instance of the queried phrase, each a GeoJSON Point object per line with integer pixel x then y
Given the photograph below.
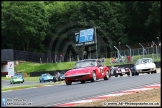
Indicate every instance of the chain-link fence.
{"type": "Point", "coordinates": [137, 52]}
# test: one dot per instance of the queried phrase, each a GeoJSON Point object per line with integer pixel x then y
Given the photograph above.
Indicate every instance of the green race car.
{"type": "Point", "coordinates": [16, 79]}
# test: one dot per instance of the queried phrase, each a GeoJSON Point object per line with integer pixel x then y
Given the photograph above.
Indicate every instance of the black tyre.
{"type": "Point", "coordinates": [82, 82]}
{"type": "Point", "coordinates": [121, 74]}
{"type": "Point", "coordinates": [148, 72]}
{"type": "Point", "coordinates": [115, 74]}
{"type": "Point", "coordinates": [155, 71]}
{"type": "Point", "coordinates": [107, 76]}
{"type": "Point", "coordinates": [93, 77]}
{"type": "Point", "coordinates": [68, 82]}
{"type": "Point", "coordinates": [54, 79]}
{"type": "Point", "coordinates": [128, 73]}
{"type": "Point", "coordinates": [10, 82]}
{"type": "Point", "coordinates": [40, 81]}
{"type": "Point", "coordinates": [136, 73]}
{"type": "Point", "coordinates": [132, 73]}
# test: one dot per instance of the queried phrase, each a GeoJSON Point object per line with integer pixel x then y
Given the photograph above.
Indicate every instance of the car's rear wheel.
{"type": "Point", "coordinates": [155, 71]}
{"type": "Point", "coordinates": [132, 73]}
{"type": "Point", "coordinates": [107, 76]}
{"type": "Point", "coordinates": [82, 82]}
{"type": "Point", "coordinates": [93, 77]}
{"type": "Point", "coordinates": [10, 82]}
{"type": "Point", "coordinates": [148, 72]}
{"type": "Point", "coordinates": [136, 73]}
{"type": "Point", "coordinates": [68, 82]}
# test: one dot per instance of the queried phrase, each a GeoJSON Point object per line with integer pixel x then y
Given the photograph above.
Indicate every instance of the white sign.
{"type": "Point", "coordinates": [10, 68]}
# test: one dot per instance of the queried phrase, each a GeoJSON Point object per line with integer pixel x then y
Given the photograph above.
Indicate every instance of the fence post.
{"type": "Point", "coordinates": [40, 61]}
{"type": "Point", "coordinates": [70, 58]}
{"type": "Point", "coordinates": [78, 57]}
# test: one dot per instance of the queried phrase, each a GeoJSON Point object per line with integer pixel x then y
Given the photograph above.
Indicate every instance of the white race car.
{"type": "Point", "coordinates": [144, 65]}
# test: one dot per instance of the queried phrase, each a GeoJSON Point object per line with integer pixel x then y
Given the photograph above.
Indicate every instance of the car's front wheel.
{"type": "Point", "coordinates": [128, 73]}
{"type": "Point", "coordinates": [10, 82]}
{"type": "Point", "coordinates": [54, 79]}
{"type": "Point", "coordinates": [68, 82]}
{"type": "Point", "coordinates": [115, 74]}
{"type": "Point", "coordinates": [106, 76]}
{"type": "Point", "coordinates": [82, 82]}
{"type": "Point", "coordinates": [93, 77]}
{"type": "Point", "coordinates": [155, 71]}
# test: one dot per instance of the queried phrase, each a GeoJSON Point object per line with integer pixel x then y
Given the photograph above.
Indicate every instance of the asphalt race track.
{"type": "Point", "coordinates": [53, 95]}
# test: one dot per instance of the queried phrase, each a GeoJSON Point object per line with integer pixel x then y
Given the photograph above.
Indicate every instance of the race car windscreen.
{"type": "Point", "coordinates": [87, 63]}
{"type": "Point", "coordinates": [141, 61]}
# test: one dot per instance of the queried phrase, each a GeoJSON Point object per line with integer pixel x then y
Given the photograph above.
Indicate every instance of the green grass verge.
{"type": "Point", "coordinates": [29, 86]}
{"type": "Point", "coordinates": [35, 79]}
{"type": "Point", "coordinates": [27, 67]}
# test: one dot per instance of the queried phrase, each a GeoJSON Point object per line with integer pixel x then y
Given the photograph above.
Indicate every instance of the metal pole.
{"type": "Point", "coordinates": [90, 51]}
{"type": "Point", "coordinates": [118, 55]}
{"type": "Point", "coordinates": [96, 43]}
{"type": "Point", "coordinates": [156, 50]}
{"type": "Point", "coordinates": [143, 50]}
{"type": "Point", "coordinates": [158, 45]}
{"type": "Point", "coordinates": [83, 52]}
{"type": "Point", "coordinates": [130, 53]}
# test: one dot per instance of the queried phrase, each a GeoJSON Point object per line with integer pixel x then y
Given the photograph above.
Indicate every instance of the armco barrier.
{"type": "Point", "coordinates": [34, 74]}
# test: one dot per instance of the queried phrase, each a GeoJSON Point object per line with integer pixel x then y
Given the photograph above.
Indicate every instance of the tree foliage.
{"type": "Point", "coordinates": [25, 23]}
{"type": "Point", "coordinates": [30, 26]}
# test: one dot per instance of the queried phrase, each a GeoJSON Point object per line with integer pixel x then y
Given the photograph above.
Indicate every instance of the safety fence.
{"type": "Point", "coordinates": [155, 53]}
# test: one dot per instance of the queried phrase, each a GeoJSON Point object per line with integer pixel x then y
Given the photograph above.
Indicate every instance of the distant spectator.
{"type": "Point", "coordinates": [55, 58]}
{"type": "Point", "coordinates": [112, 60]}
{"type": "Point", "coordinates": [98, 61]}
{"type": "Point", "coordinates": [60, 57]}
{"type": "Point", "coordinates": [103, 59]}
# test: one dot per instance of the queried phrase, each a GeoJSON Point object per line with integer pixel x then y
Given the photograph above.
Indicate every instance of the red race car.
{"type": "Point", "coordinates": [87, 70]}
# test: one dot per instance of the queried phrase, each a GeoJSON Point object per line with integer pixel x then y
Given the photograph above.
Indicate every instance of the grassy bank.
{"type": "Point", "coordinates": [35, 79]}
{"type": "Point", "coordinates": [27, 67]}
{"type": "Point", "coordinates": [29, 86]}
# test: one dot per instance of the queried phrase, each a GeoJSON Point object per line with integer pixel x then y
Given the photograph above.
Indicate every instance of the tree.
{"type": "Point", "coordinates": [25, 23]}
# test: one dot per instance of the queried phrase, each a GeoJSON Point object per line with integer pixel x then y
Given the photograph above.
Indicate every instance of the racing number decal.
{"type": "Point", "coordinates": [101, 70]}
